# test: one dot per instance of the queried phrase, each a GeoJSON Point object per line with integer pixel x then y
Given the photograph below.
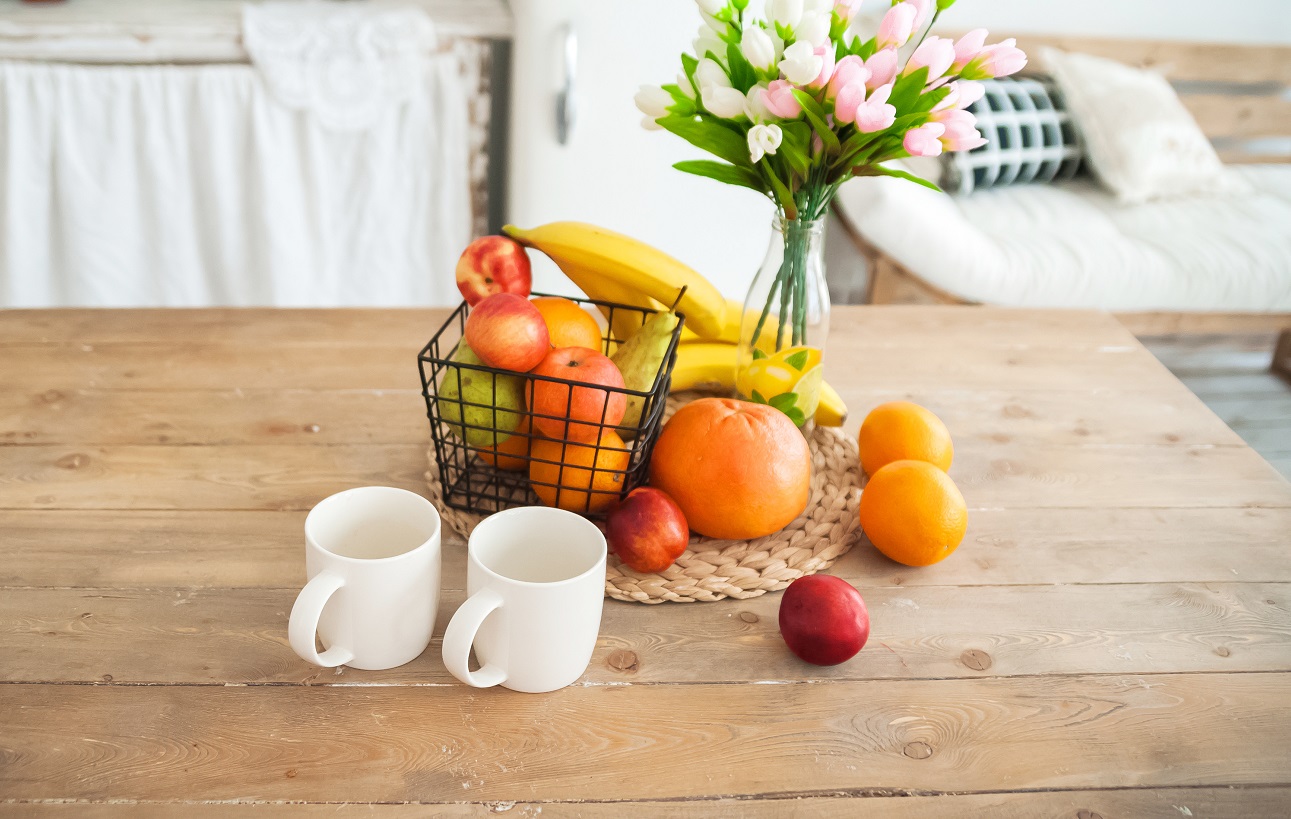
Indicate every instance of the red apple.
{"type": "Point", "coordinates": [506, 331]}
{"type": "Point", "coordinates": [576, 413]}
{"type": "Point", "coordinates": [823, 619]}
{"type": "Point", "coordinates": [648, 530]}
{"type": "Point", "coordinates": [493, 264]}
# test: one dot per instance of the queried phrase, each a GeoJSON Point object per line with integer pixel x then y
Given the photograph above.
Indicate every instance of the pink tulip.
{"type": "Point", "coordinates": [846, 9]}
{"type": "Point", "coordinates": [935, 53]}
{"type": "Point", "coordinates": [826, 55]}
{"type": "Point", "coordinates": [883, 68]}
{"type": "Point", "coordinates": [876, 114]}
{"type": "Point", "coordinates": [968, 47]}
{"type": "Point", "coordinates": [850, 70]}
{"type": "Point", "coordinates": [969, 92]}
{"type": "Point", "coordinates": [998, 60]}
{"type": "Point", "coordinates": [1003, 59]}
{"type": "Point", "coordinates": [780, 101]}
{"type": "Point", "coordinates": [961, 132]}
{"type": "Point", "coordinates": [923, 7]}
{"type": "Point", "coordinates": [849, 99]}
{"type": "Point", "coordinates": [897, 26]}
{"type": "Point", "coordinates": [924, 140]}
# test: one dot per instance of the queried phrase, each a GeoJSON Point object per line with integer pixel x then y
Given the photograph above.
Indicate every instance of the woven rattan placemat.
{"type": "Point", "coordinates": [713, 569]}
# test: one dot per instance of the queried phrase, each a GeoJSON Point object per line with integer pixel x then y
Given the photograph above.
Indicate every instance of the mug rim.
{"type": "Point", "coordinates": [313, 543]}
{"type": "Point", "coordinates": [539, 510]}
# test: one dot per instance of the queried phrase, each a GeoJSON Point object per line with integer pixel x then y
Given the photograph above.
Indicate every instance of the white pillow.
{"type": "Point", "coordinates": [1140, 141]}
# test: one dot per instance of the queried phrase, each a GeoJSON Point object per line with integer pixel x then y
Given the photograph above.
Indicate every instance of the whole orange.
{"type": "Point", "coordinates": [568, 324]}
{"type": "Point", "coordinates": [512, 453]}
{"type": "Point", "coordinates": [900, 431]}
{"type": "Point", "coordinates": [579, 477]}
{"type": "Point", "coordinates": [738, 470]}
{"type": "Point", "coordinates": [913, 513]}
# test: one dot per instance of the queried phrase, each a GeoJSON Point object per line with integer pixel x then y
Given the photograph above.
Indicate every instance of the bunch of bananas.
{"type": "Point", "coordinates": [609, 266]}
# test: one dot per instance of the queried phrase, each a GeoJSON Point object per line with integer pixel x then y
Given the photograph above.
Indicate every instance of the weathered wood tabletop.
{"type": "Point", "coordinates": [1112, 639]}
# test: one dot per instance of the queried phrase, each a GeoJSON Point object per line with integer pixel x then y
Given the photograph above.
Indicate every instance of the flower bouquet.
{"type": "Point", "coordinates": [792, 107]}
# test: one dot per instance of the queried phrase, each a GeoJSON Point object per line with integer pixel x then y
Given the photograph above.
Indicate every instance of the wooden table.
{"type": "Point", "coordinates": [1112, 639]}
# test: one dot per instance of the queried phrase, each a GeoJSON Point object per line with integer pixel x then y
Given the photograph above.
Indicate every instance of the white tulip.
{"type": "Point", "coordinates": [764, 140]}
{"type": "Point", "coordinates": [813, 27]}
{"type": "Point", "coordinates": [709, 74]}
{"type": "Point", "coordinates": [708, 40]}
{"type": "Point", "coordinates": [818, 6]}
{"type": "Point", "coordinates": [755, 108]}
{"type": "Point", "coordinates": [801, 65]}
{"type": "Point", "coordinates": [652, 101]}
{"type": "Point", "coordinates": [710, 6]}
{"type": "Point", "coordinates": [757, 48]}
{"type": "Point", "coordinates": [723, 101]}
{"type": "Point", "coordinates": [785, 12]}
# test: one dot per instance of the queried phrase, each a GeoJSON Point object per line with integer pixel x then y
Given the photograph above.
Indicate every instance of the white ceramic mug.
{"type": "Point", "coordinates": [372, 559]}
{"type": "Point", "coordinates": [536, 580]}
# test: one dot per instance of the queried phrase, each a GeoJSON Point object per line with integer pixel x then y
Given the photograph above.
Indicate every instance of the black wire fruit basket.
{"type": "Point", "coordinates": [470, 427]}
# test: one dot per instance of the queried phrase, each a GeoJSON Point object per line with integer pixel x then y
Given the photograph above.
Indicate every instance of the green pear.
{"type": "Point", "coordinates": [639, 359]}
{"type": "Point", "coordinates": [492, 403]}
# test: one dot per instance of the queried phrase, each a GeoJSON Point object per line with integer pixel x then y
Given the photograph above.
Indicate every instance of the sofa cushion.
{"type": "Point", "coordinates": [1072, 245]}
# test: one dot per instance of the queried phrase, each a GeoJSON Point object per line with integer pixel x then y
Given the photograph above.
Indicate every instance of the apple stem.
{"type": "Point", "coordinates": [680, 295]}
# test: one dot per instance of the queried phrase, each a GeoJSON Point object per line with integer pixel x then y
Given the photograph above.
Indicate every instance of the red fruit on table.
{"type": "Point", "coordinates": [576, 413]}
{"type": "Point", "coordinates": [647, 530]}
{"type": "Point", "coordinates": [493, 264]}
{"type": "Point", "coordinates": [506, 331]}
{"type": "Point", "coordinates": [823, 619]}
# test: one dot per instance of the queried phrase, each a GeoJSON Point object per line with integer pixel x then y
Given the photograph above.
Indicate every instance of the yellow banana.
{"type": "Point", "coordinates": [601, 255]}
{"type": "Point", "coordinates": [711, 365]}
{"type": "Point", "coordinates": [730, 333]}
{"type": "Point", "coordinates": [623, 323]}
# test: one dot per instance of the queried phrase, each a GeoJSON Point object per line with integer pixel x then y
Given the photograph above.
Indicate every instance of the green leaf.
{"type": "Point", "coordinates": [816, 116]}
{"type": "Point", "coordinates": [710, 136]}
{"type": "Point", "coordinates": [757, 398]}
{"type": "Point", "coordinates": [758, 354]}
{"type": "Point", "coordinates": [880, 170]}
{"type": "Point", "coordinates": [723, 172]}
{"type": "Point", "coordinates": [785, 401]}
{"type": "Point", "coordinates": [796, 416]}
{"type": "Point", "coordinates": [689, 64]}
{"type": "Point", "coordinates": [796, 147]}
{"type": "Point", "coordinates": [743, 75]}
{"type": "Point", "coordinates": [798, 360]}
{"type": "Point", "coordinates": [682, 105]}
{"type": "Point", "coordinates": [942, 5]}
{"type": "Point", "coordinates": [906, 91]}
{"type": "Point", "coordinates": [782, 194]}
{"type": "Point", "coordinates": [928, 101]}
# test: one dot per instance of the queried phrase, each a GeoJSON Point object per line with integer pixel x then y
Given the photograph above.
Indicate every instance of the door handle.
{"type": "Point", "coordinates": [566, 102]}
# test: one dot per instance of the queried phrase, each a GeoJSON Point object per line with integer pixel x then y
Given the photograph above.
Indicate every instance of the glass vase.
{"type": "Point", "coordinates": [786, 322]}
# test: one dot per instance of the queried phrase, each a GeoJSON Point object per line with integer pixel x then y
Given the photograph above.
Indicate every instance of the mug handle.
{"type": "Point", "coordinates": [304, 621]}
{"type": "Point", "coordinates": [460, 634]}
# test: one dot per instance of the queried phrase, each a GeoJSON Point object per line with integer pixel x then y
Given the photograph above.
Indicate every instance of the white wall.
{"type": "Point", "coordinates": [1225, 21]}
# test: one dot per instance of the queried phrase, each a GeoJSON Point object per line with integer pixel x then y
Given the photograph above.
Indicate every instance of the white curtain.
{"type": "Point", "coordinates": [168, 185]}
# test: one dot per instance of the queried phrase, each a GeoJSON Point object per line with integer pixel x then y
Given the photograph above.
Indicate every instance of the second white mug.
{"type": "Point", "coordinates": [536, 580]}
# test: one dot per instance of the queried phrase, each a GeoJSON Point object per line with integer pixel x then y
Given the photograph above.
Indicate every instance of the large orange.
{"type": "Point", "coordinates": [913, 513]}
{"type": "Point", "coordinates": [512, 453]}
{"type": "Point", "coordinates": [568, 324]}
{"type": "Point", "coordinates": [900, 431]}
{"type": "Point", "coordinates": [578, 477]}
{"type": "Point", "coordinates": [738, 470]}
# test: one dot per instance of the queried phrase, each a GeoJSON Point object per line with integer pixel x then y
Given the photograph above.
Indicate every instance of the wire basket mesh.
{"type": "Point", "coordinates": [585, 467]}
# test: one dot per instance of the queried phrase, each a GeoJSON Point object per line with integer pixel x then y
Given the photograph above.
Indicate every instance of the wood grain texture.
{"type": "Point", "coordinates": [220, 636]}
{"type": "Point", "coordinates": [1260, 802]}
{"type": "Point", "coordinates": [410, 744]}
{"type": "Point", "coordinates": [1169, 416]}
{"type": "Point", "coordinates": [196, 549]}
{"type": "Point", "coordinates": [1013, 474]}
{"type": "Point", "coordinates": [1244, 62]}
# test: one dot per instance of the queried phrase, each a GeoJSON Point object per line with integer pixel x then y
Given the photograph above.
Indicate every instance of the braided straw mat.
{"type": "Point", "coordinates": [712, 569]}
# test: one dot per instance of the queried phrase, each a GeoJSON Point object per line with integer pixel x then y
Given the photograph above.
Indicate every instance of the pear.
{"type": "Point", "coordinates": [639, 359]}
{"type": "Point", "coordinates": [492, 403]}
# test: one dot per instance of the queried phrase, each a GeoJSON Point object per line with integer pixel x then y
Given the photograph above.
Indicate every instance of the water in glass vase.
{"type": "Point", "coordinates": [786, 322]}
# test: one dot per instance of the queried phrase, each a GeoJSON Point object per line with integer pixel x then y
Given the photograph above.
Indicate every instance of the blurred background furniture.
{"type": "Point", "coordinates": [152, 157]}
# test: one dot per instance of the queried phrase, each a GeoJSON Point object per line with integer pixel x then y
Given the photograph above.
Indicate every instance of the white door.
{"type": "Point", "coordinates": [611, 171]}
